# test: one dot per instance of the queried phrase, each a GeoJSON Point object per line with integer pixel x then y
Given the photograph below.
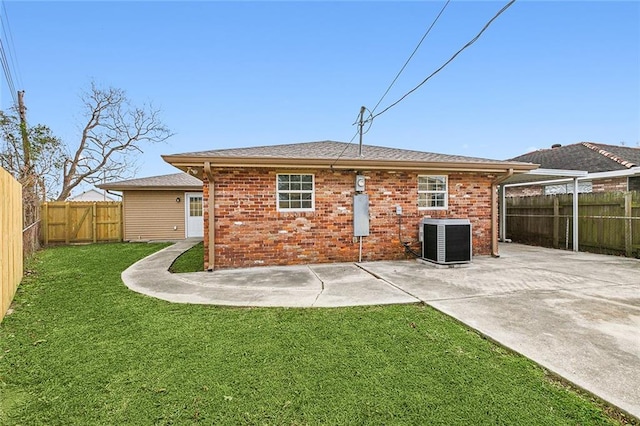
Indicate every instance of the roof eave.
{"type": "Point", "coordinates": [184, 162]}
{"type": "Point", "coordinates": [148, 188]}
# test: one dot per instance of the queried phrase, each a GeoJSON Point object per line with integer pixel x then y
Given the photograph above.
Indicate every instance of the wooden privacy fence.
{"type": "Point", "coordinates": [607, 222]}
{"type": "Point", "coordinates": [81, 222]}
{"type": "Point", "coordinates": [11, 257]}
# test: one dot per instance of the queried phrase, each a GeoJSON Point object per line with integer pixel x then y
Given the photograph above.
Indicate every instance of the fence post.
{"type": "Point", "coordinates": [94, 222]}
{"type": "Point", "coordinates": [45, 223]}
{"type": "Point", "coordinates": [556, 222]}
{"type": "Point", "coordinates": [67, 224]}
{"type": "Point", "coordinates": [628, 228]}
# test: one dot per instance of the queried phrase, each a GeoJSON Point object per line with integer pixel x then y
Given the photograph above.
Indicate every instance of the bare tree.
{"type": "Point", "coordinates": [114, 131]}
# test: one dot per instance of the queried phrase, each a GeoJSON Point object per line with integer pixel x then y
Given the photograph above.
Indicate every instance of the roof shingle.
{"type": "Point", "coordinates": [589, 156]}
{"type": "Point", "coordinates": [175, 180]}
{"type": "Point", "coordinates": [327, 150]}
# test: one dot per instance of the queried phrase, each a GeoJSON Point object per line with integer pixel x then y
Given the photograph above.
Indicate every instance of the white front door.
{"type": "Point", "coordinates": [194, 217]}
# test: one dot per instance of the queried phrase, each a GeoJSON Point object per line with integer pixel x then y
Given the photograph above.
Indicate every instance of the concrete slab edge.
{"type": "Point", "coordinates": [556, 375]}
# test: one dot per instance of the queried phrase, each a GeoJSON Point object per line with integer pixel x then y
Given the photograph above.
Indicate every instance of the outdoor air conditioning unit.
{"type": "Point", "coordinates": [446, 241]}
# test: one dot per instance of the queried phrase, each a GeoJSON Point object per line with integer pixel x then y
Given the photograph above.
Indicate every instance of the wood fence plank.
{"type": "Point", "coordinates": [82, 222]}
{"type": "Point", "coordinates": [556, 223]}
{"type": "Point", "coordinates": [628, 229]}
{"type": "Point", "coordinates": [11, 242]}
{"type": "Point", "coordinates": [94, 221]}
{"type": "Point", "coordinates": [78, 224]}
{"type": "Point", "coordinates": [67, 222]}
{"type": "Point", "coordinates": [608, 222]}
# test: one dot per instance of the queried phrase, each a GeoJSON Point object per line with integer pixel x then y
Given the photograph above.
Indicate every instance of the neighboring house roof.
{"type": "Point", "coordinates": [166, 182]}
{"type": "Point", "coordinates": [339, 155]}
{"type": "Point", "coordinates": [91, 195]}
{"type": "Point", "coordinates": [589, 156]}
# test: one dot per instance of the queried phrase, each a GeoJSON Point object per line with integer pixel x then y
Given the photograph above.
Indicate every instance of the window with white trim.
{"type": "Point", "coordinates": [432, 192]}
{"type": "Point", "coordinates": [295, 192]}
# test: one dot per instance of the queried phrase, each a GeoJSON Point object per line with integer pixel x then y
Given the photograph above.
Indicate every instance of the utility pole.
{"type": "Point", "coordinates": [28, 180]}
{"type": "Point", "coordinates": [26, 147]}
{"type": "Point", "coordinates": [360, 126]}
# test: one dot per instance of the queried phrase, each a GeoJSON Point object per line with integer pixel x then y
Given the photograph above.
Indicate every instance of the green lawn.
{"type": "Point", "coordinates": [191, 260]}
{"type": "Point", "coordinates": [80, 348]}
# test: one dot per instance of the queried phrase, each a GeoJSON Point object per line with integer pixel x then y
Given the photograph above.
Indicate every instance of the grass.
{"type": "Point", "coordinates": [191, 260]}
{"type": "Point", "coordinates": [80, 348]}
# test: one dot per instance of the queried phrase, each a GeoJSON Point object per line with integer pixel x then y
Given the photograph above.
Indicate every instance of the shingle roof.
{"type": "Point", "coordinates": [175, 180]}
{"type": "Point", "coordinates": [589, 156]}
{"type": "Point", "coordinates": [328, 150]}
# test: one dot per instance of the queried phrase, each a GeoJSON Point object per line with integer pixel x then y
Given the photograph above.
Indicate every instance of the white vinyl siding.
{"type": "Point", "coordinates": [432, 192]}
{"type": "Point", "coordinates": [295, 192]}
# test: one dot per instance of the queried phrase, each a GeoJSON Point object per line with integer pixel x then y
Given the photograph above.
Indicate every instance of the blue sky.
{"type": "Point", "coordinates": [233, 74]}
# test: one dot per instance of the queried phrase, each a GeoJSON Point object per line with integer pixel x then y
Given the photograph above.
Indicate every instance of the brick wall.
{"type": "Point", "coordinates": [249, 231]}
{"type": "Point", "coordinates": [610, 185]}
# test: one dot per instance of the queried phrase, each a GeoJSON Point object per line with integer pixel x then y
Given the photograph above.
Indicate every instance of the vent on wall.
{"type": "Point", "coordinates": [446, 241]}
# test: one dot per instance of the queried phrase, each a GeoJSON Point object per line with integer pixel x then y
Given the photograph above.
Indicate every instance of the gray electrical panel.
{"type": "Point", "coordinates": [361, 215]}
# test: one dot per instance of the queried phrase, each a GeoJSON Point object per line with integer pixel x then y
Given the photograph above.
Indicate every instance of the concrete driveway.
{"type": "Point", "coordinates": [576, 314]}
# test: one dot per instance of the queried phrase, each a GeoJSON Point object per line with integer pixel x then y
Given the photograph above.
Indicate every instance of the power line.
{"type": "Point", "coordinates": [7, 72]}
{"type": "Point", "coordinates": [7, 61]}
{"type": "Point", "coordinates": [12, 46]}
{"type": "Point", "coordinates": [394, 80]}
{"type": "Point", "coordinates": [370, 119]}
{"type": "Point", "coordinates": [473, 40]}
{"type": "Point", "coordinates": [345, 149]}
{"type": "Point", "coordinates": [347, 145]}
{"type": "Point", "coordinates": [411, 56]}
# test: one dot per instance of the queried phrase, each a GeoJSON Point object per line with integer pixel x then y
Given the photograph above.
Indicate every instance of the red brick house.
{"type": "Point", "coordinates": [611, 168]}
{"type": "Point", "coordinates": [292, 204]}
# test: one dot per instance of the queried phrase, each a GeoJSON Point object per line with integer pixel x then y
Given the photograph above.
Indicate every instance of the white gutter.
{"type": "Point", "coordinates": [571, 174]}
{"type": "Point", "coordinates": [616, 173]}
{"type": "Point", "coordinates": [575, 214]}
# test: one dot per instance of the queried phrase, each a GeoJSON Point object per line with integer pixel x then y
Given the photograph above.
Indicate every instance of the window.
{"type": "Point", "coordinates": [295, 192]}
{"type": "Point", "coordinates": [195, 206]}
{"type": "Point", "coordinates": [567, 188]}
{"type": "Point", "coordinates": [634, 183]}
{"type": "Point", "coordinates": [432, 192]}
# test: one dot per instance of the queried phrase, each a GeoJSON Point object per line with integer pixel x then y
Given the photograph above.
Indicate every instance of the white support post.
{"type": "Point", "coordinates": [575, 214]}
{"type": "Point", "coordinates": [503, 214]}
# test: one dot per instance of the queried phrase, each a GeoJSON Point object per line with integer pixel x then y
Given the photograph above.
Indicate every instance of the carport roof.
{"type": "Point", "coordinates": [543, 175]}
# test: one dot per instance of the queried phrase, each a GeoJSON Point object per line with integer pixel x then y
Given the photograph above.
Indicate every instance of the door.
{"type": "Point", "coordinates": [194, 218]}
